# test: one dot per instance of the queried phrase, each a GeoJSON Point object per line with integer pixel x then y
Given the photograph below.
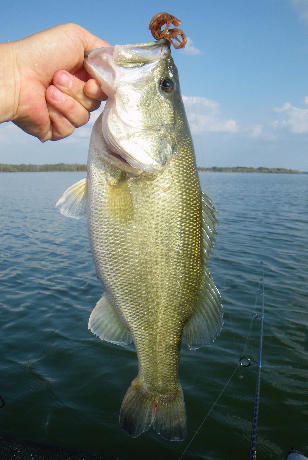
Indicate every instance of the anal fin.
{"type": "Point", "coordinates": [106, 323]}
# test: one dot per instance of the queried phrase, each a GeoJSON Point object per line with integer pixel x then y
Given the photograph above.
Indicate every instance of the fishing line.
{"type": "Point", "coordinates": [209, 411]}
{"type": "Point", "coordinates": [244, 361]}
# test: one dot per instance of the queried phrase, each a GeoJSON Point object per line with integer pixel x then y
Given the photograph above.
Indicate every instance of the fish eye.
{"type": "Point", "coordinates": [166, 84]}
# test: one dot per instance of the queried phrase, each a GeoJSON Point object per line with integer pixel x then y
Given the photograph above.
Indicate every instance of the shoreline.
{"type": "Point", "coordinates": [67, 167]}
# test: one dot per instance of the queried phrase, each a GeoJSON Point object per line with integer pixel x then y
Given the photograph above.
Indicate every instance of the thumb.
{"type": "Point", "coordinates": [91, 41]}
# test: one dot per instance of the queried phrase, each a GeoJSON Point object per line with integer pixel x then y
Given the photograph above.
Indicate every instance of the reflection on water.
{"type": "Point", "coordinates": [63, 386]}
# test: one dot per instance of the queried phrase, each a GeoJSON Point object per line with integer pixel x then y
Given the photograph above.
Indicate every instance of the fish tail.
{"type": "Point", "coordinates": [142, 409]}
{"type": "Point", "coordinates": [170, 416]}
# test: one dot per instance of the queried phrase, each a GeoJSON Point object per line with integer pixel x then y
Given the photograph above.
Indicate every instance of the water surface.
{"type": "Point", "coordinates": [63, 386]}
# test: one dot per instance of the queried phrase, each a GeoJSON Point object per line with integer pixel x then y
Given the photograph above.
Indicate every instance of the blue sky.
{"type": "Point", "coordinates": [244, 75]}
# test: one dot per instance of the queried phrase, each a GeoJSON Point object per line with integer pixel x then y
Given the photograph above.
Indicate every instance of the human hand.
{"type": "Point", "coordinates": [50, 92]}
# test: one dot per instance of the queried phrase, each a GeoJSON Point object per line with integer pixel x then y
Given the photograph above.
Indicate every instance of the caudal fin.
{"type": "Point", "coordinates": [165, 413]}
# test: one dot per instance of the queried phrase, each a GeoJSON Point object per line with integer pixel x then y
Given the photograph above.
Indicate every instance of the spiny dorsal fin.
{"type": "Point", "coordinates": [106, 323]}
{"type": "Point", "coordinates": [206, 321]}
{"type": "Point", "coordinates": [73, 202]}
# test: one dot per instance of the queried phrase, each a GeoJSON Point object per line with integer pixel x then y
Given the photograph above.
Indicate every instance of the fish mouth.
{"type": "Point", "coordinates": [131, 144]}
{"type": "Point", "coordinates": [127, 153]}
{"type": "Point", "coordinates": [123, 160]}
{"type": "Point", "coordinates": [119, 159]}
{"type": "Point", "coordinates": [117, 156]}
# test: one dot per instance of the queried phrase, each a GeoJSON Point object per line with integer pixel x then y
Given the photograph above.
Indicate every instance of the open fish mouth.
{"type": "Point", "coordinates": [122, 158]}
{"type": "Point", "coordinates": [130, 148]}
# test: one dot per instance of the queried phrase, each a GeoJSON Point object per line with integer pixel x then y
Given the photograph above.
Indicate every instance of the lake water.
{"type": "Point", "coordinates": [63, 386]}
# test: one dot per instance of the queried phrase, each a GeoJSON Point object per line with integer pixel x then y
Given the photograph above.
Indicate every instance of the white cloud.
{"type": "Point", "coordinates": [204, 116]}
{"type": "Point", "coordinates": [302, 7]}
{"type": "Point", "coordinates": [296, 118]}
{"type": "Point", "coordinates": [256, 131]}
{"type": "Point", "coordinates": [190, 48]}
{"type": "Point", "coordinates": [260, 132]}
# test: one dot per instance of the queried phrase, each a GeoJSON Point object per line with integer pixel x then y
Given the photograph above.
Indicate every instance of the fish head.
{"type": "Point", "coordinates": [141, 113]}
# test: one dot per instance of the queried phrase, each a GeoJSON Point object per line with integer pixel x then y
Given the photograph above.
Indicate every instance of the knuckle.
{"type": "Point", "coordinates": [45, 136]}
{"type": "Point", "coordinates": [72, 26]}
{"type": "Point", "coordinates": [65, 132]}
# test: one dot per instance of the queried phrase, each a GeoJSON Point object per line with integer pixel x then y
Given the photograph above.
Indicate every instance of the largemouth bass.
{"type": "Point", "coordinates": [151, 230]}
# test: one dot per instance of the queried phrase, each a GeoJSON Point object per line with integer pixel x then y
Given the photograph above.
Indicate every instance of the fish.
{"type": "Point", "coordinates": [151, 230]}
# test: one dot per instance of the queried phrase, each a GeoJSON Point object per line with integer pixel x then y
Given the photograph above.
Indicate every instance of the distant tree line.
{"type": "Point", "coordinates": [42, 168]}
{"type": "Point", "coordinates": [81, 167]}
{"type": "Point", "coordinates": [246, 169]}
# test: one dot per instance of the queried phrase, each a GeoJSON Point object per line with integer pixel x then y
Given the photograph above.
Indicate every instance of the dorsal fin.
{"type": "Point", "coordinates": [209, 222]}
{"type": "Point", "coordinates": [206, 321]}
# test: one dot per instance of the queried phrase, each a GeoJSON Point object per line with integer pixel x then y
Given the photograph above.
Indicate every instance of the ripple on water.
{"type": "Point", "coordinates": [69, 385]}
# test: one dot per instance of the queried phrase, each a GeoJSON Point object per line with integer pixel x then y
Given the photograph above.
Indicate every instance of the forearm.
{"type": "Point", "coordinates": [9, 83]}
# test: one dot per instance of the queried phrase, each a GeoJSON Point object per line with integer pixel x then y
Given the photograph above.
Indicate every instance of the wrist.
{"type": "Point", "coordinates": [9, 82]}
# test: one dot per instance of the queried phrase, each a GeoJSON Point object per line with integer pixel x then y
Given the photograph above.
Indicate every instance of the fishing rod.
{"type": "Point", "coordinates": [254, 428]}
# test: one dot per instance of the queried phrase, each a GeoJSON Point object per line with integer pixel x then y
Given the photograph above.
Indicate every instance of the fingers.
{"type": "Point", "coordinates": [93, 90]}
{"type": "Point", "coordinates": [60, 126]}
{"type": "Point", "coordinates": [75, 113]}
{"type": "Point", "coordinates": [74, 87]}
{"type": "Point", "coordinates": [69, 102]}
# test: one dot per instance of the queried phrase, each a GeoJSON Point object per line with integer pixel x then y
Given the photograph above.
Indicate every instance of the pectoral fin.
{"type": "Point", "coordinates": [207, 318]}
{"type": "Point", "coordinates": [74, 200]}
{"type": "Point", "coordinates": [119, 202]}
{"type": "Point", "coordinates": [106, 323]}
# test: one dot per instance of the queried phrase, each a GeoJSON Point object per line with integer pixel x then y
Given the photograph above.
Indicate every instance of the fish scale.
{"type": "Point", "coordinates": [150, 229]}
